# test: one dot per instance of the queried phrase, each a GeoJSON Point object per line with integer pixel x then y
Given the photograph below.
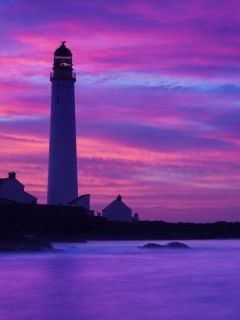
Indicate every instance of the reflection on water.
{"type": "Point", "coordinates": [116, 280]}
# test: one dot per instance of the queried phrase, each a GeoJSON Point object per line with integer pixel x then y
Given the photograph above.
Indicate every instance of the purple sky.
{"type": "Point", "coordinates": [157, 101]}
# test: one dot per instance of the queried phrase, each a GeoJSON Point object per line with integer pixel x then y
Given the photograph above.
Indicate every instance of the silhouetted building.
{"type": "Point", "coordinates": [117, 211]}
{"type": "Point", "coordinates": [84, 202]}
{"type": "Point", "coordinates": [11, 190]}
{"type": "Point", "coordinates": [81, 201]}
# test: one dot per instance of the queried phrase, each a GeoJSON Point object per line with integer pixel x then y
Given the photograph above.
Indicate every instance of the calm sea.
{"type": "Point", "coordinates": [117, 281]}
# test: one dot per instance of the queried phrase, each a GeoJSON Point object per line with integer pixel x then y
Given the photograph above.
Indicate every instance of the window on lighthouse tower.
{"type": "Point", "coordinates": [63, 61]}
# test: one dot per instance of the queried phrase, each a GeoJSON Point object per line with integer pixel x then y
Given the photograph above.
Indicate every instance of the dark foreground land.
{"type": "Point", "coordinates": [58, 223]}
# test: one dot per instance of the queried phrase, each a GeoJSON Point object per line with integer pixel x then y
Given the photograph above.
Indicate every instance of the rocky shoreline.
{"type": "Point", "coordinates": [23, 244]}
{"type": "Point", "coordinates": [29, 244]}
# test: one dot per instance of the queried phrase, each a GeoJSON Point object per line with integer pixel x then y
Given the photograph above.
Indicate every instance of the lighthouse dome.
{"type": "Point", "coordinates": [63, 51]}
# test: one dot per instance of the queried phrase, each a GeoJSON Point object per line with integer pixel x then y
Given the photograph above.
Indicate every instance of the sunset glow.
{"type": "Point", "coordinates": [157, 102]}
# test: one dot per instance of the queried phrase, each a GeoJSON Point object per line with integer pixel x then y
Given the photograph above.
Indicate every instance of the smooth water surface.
{"type": "Point", "coordinates": [117, 281]}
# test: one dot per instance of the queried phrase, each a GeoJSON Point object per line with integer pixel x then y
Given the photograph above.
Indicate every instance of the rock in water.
{"type": "Point", "coordinates": [152, 245]}
{"type": "Point", "coordinates": [24, 245]}
{"type": "Point", "coordinates": [174, 245]}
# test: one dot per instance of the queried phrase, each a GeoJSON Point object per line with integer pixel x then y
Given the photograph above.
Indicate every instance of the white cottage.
{"type": "Point", "coordinates": [117, 211]}
{"type": "Point", "coordinates": [13, 190]}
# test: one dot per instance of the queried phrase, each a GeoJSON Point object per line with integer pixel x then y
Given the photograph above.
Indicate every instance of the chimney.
{"type": "Point", "coordinates": [119, 198]}
{"type": "Point", "coordinates": [12, 175]}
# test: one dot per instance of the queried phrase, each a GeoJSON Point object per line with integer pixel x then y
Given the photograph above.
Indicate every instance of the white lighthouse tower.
{"type": "Point", "coordinates": [62, 171]}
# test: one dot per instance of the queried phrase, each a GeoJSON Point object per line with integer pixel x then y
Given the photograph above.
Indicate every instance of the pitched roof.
{"type": "Point", "coordinates": [26, 193]}
{"type": "Point", "coordinates": [78, 198]}
{"type": "Point", "coordinates": [113, 203]}
{"type": "Point", "coordinates": [3, 180]}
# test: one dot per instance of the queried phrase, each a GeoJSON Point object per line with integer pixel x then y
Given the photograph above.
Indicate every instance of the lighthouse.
{"type": "Point", "coordinates": [62, 170]}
